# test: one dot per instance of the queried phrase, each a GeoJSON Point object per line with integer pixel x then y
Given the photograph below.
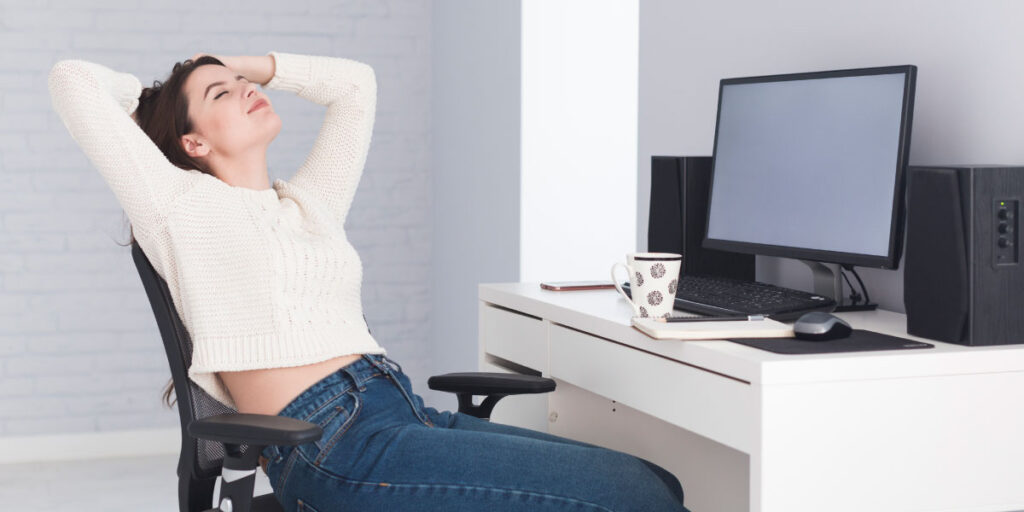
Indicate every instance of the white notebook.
{"type": "Point", "coordinates": [766, 328]}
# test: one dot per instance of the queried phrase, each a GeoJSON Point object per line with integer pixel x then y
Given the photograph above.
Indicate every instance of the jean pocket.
{"type": "Point", "coordinates": [335, 417]}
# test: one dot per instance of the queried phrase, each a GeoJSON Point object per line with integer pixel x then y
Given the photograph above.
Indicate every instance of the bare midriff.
{"type": "Point", "coordinates": [270, 390]}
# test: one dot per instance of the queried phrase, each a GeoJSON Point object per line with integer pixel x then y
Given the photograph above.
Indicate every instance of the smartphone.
{"type": "Point", "coordinates": [563, 286]}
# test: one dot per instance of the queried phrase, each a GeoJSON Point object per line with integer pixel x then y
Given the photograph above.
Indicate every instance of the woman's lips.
{"type": "Point", "coordinates": [259, 104]}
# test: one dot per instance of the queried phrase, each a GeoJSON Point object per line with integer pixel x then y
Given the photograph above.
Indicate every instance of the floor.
{"type": "Point", "coordinates": [99, 485]}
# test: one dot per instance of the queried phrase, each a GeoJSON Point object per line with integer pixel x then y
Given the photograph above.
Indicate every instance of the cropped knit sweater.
{"type": "Point", "coordinates": [260, 278]}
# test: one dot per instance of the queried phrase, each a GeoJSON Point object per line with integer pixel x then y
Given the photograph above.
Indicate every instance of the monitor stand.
{"type": "Point", "coordinates": [829, 282]}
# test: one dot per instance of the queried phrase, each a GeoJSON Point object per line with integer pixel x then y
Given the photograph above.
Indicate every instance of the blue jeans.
{"type": "Point", "coordinates": [383, 450]}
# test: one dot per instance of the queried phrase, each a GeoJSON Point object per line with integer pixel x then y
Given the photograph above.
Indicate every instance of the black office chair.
{"type": "Point", "coordinates": [214, 436]}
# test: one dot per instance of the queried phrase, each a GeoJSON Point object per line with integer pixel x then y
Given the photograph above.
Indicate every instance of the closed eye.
{"type": "Point", "coordinates": [237, 77]}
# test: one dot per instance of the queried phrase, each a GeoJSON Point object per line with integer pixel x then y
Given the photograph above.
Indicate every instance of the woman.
{"type": "Point", "coordinates": [268, 287]}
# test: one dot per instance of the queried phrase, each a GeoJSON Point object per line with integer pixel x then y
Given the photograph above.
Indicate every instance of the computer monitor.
{"type": "Point", "coordinates": [811, 165]}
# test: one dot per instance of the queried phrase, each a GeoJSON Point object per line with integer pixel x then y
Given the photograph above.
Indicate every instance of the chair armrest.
{"type": "Point", "coordinates": [487, 383]}
{"type": "Point", "coordinates": [255, 429]}
{"type": "Point", "coordinates": [493, 384]}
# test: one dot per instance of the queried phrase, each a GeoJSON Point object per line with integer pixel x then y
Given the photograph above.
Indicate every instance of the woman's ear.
{"type": "Point", "coordinates": [194, 146]}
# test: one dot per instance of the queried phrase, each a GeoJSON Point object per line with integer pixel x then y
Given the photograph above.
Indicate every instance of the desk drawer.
{"type": "Point", "coordinates": [717, 407]}
{"type": "Point", "coordinates": [514, 336]}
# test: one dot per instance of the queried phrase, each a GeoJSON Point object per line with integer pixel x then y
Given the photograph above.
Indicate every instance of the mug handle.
{"type": "Point", "coordinates": [636, 310]}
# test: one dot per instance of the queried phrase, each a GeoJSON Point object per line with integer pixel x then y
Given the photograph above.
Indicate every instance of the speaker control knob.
{"type": "Point", "coordinates": [1003, 214]}
{"type": "Point", "coordinates": [1004, 242]}
{"type": "Point", "coordinates": [1003, 228]}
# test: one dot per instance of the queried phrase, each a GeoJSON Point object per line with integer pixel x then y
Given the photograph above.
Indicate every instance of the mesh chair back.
{"type": "Point", "coordinates": [199, 459]}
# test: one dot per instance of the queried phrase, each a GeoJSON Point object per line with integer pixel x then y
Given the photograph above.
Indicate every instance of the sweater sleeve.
{"type": "Point", "coordinates": [348, 89]}
{"type": "Point", "coordinates": [95, 103]}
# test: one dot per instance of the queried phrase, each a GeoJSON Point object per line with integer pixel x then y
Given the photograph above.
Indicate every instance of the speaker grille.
{"type": "Point", "coordinates": [935, 284]}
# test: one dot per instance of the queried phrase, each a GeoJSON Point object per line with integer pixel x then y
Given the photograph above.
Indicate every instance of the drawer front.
{"type": "Point", "coordinates": [717, 407]}
{"type": "Point", "coordinates": [714, 476]}
{"type": "Point", "coordinates": [516, 337]}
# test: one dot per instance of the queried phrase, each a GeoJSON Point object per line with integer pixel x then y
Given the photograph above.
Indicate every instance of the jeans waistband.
{"type": "Point", "coordinates": [353, 375]}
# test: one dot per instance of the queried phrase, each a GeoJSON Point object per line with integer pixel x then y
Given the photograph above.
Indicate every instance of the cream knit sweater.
{"type": "Point", "coordinates": [260, 278]}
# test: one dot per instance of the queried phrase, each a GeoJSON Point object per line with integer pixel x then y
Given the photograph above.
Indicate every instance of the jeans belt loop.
{"type": "Point", "coordinates": [381, 365]}
{"type": "Point", "coordinates": [355, 381]}
{"type": "Point", "coordinates": [391, 362]}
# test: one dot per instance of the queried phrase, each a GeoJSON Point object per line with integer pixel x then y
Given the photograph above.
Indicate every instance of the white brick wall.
{"type": "Point", "coordinates": [79, 347]}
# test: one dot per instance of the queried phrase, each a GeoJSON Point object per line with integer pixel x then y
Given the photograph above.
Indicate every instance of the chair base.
{"type": "Point", "coordinates": [264, 503]}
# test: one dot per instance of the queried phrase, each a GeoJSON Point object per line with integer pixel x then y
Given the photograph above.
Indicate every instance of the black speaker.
{"type": "Point", "coordinates": [680, 188]}
{"type": "Point", "coordinates": [963, 281]}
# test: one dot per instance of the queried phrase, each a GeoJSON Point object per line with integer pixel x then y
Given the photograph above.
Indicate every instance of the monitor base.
{"type": "Point", "coordinates": [857, 307]}
{"type": "Point", "coordinates": [827, 280]}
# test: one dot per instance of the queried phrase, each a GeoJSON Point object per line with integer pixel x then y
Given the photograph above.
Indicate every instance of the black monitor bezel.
{"type": "Point", "coordinates": [890, 260]}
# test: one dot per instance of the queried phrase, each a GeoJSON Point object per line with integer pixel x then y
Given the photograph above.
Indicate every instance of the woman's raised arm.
{"type": "Point", "coordinates": [95, 103]}
{"type": "Point", "coordinates": [348, 89]}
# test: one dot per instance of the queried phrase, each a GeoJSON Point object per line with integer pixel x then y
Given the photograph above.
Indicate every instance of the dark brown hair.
{"type": "Point", "coordinates": [163, 115]}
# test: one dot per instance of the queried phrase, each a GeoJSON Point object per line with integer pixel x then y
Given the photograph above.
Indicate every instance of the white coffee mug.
{"type": "Point", "coordinates": [653, 278]}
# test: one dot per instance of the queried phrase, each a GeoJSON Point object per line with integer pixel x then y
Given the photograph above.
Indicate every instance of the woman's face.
{"type": "Point", "coordinates": [219, 104]}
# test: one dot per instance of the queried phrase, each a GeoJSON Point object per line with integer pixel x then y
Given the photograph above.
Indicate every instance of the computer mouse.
{"type": "Point", "coordinates": [820, 326]}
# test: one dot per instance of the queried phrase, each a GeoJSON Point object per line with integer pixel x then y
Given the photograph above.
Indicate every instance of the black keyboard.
{"type": "Point", "coordinates": [719, 296]}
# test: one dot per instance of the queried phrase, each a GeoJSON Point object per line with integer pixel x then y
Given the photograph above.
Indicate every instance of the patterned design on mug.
{"type": "Point", "coordinates": [657, 270]}
{"type": "Point", "coordinates": [643, 312]}
{"type": "Point", "coordinates": [639, 279]}
{"type": "Point", "coordinates": [666, 315]}
{"type": "Point", "coordinates": [672, 286]}
{"type": "Point", "coordinates": [654, 298]}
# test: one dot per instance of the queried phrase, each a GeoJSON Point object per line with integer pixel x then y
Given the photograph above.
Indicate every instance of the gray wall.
{"type": "Point", "coordinates": [476, 101]}
{"type": "Point", "coordinates": [968, 109]}
{"type": "Point", "coordinates": [79, 348]}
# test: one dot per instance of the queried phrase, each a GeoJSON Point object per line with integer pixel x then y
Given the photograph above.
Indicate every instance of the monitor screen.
{"type": "Point", "coordinates": [811, 165]}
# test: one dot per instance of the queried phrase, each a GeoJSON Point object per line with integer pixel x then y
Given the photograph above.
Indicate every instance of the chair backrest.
{"type": "Point", "coordinates": [200, 461]}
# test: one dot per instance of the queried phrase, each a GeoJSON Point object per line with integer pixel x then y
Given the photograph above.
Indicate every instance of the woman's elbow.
{"type": "Point", "coordinates": [368, 82]}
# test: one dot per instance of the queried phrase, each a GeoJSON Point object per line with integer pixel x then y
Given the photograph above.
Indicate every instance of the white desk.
{"type": "Point", "coordinates": [745, 429]}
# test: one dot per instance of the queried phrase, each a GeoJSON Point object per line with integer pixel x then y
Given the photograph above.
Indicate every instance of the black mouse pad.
{"type": "Point", "coordinates": [858, 341]}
